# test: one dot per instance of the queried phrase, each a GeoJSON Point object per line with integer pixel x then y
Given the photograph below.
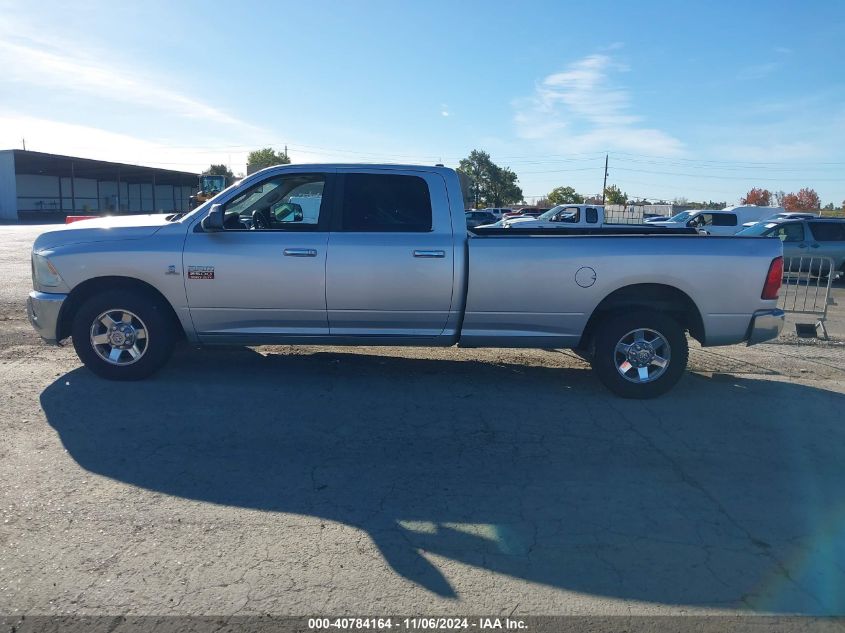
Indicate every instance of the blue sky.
{"type": "Point", "coordinates": [702, 100]}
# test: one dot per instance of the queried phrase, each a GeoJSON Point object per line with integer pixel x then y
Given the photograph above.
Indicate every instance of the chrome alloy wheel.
{"type": "Point", "coordinates": [119, 337]}
{"type": "Point", "coordinates": [642, 355]}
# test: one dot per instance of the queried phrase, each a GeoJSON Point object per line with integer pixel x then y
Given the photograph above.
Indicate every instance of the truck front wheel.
{"type": "Point", "coordinates": [641, 354]}
{"type": "Point", "coordinates": [123, 335]}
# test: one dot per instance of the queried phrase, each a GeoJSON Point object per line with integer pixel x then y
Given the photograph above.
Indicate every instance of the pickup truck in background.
{"type": "Point", "coordinates": [561, 216]}
{"type": "Point", "coordinates": [387, 260]}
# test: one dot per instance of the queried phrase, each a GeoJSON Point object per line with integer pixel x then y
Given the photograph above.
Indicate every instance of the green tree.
{"type": "Point", "coordinates": [564, 195]}
{"type": "Point", "coordinates": [614, 195]}
{"type": "Point", "coordinates": [503, 188]}
{"type": "Point", "coordinates": [266, 157]}
{"type": "Point", "coordinates": [487, 183]}
{"type": "Point", "coordinates": [475, 169]}
{"type": "Point", "coordinates": [219, 170]}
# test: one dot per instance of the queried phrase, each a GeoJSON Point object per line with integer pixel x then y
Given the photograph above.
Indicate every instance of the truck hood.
{"type": "Point", "coordinates": [118, 227]}
{"type": "Point", "coordinates": [520, 220]}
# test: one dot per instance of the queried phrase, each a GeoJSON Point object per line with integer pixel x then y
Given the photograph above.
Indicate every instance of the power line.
{"type": "Point", "coordinates": [719, 177]}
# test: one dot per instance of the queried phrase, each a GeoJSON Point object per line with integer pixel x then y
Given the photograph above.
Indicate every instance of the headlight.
{"type": "Point", "coordinates": [44, 274]}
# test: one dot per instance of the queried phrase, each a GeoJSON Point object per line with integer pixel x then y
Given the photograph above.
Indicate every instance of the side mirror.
{"type": "Point", "coordinates": [214, 220]}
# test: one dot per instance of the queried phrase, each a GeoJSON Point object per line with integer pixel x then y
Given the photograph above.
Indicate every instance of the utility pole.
{"type": "Point", "coordinates": [604, 186]}
{"type": "Point", "coordinates": [24, 144]}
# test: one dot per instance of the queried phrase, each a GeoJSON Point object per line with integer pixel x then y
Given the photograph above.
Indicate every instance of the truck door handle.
{"type": "Point", "coordinates": [430, 254]}
{"type": "Point", "coordinates": [814, 245]}
{"type": "Point", "coordinates": [802, 246]}
{"type": "Point", "coordinates": [300, 252]}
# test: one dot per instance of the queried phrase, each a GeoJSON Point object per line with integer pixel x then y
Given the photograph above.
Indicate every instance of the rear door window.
{"type": "Point", "coordinates": [828, 231]}
{"type": "Point", "coordinates": [385, 203]}
{"type": "Point", "coordinates": [592, 215]}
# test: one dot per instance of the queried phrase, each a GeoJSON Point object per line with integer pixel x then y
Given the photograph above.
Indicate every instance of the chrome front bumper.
{"type": "Point", "coordinates": [43, 310]}
{"type": "Point", "coordinates": [765, 325]}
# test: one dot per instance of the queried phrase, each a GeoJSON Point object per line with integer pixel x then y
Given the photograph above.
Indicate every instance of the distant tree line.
{"type": "Point", "coordinates": [805, 200]}
{"type": "Point", "coordinates": [256, 160]}
{"type": "Point", "coordinates": [490, 185]}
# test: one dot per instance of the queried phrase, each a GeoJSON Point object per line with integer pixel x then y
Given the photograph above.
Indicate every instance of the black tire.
{"type": "Point", "coordinates": [613, 330]}
{"type": "Point", "coordinates": [151, 316]}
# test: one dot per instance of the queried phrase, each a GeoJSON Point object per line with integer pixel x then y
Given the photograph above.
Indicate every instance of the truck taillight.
{"type": "Point", "coordinates": [773, 279]}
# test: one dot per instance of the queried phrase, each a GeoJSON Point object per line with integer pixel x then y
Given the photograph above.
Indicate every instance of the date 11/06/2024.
{"type": "Point", "coordinates": [416, 623]}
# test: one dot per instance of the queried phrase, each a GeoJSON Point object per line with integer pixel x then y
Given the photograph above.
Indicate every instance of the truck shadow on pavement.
{"type": "Point", "coordinates": [728, 492]}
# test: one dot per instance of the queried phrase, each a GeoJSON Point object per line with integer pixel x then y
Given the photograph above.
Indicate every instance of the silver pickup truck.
{"type": "Point", "coordinates": [380, 255]}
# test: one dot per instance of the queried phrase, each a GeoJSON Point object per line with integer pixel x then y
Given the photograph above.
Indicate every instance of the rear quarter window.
{"type": "Point", "coordinates": [724, 219]}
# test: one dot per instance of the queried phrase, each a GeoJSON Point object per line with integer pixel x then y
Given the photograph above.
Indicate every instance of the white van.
{"type": "Point", "coordinates": [727, 221]}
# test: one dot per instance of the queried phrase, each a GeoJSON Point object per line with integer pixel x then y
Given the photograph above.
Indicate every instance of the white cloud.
{"type": "Point", "coordinates": [44, 135]}
{"type": "Point", "coordinates": [61, 71]}
{"type": "Point", "coordinates": [56, 137]}
{"type": "Point", "coordinates": [580, 109]}
{"type": "Point", "coordinates": [49, 61]}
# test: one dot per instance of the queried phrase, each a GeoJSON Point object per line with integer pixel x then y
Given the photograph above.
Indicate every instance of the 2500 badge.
{"type": "Point", "coordinates": [200, 272]}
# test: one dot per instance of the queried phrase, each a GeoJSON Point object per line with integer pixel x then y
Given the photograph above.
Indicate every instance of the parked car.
{"type": "Point", "coordinates": [497, 212]}
{"type": "Point", "coordinates": [728, 221]}
{"type": "Point", "coordinates": [388, 260]}
{"type": "Point", "coordinates": [816, 237]}
{"type": "Point", "coordinates": [474, 218]}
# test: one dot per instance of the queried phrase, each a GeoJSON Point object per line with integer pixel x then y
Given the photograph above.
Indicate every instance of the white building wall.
{"type": "Point", "coordinates": [164, 198]}
{"type": "Point", "coordinates": [146, 198]}
{"type": "Point", "coordinates": [34, 193]}
{"type": "Point", "coordinates": [8, 187]}
{"type": "Point", "coordinates": [133, 198]}
{"type": "Point", "coordinates": [37, 193]}
{"type": "Point", "coordinates": [85, 190]}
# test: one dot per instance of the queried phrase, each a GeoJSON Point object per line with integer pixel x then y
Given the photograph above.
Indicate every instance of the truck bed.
{"type": "Point", "coordinates": [539, 287]}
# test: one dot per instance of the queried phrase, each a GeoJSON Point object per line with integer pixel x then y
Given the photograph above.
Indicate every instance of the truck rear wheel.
{"type": "Point", "coordinates": [123, 335]}
{"type": "Point", "coordinates": [641, 354]}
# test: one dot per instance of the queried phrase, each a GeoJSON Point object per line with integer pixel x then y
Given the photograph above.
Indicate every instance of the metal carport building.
{"type": "Point", "coordinates": [35, 186]}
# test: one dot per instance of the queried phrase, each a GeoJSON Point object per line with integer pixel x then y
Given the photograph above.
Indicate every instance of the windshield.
{"type": "Point", "coordinates": [758, 229]}
{"type": "Point", "coordinates": [212, 184]}
{"type": "Point", "coordinates": [548, 215]}
{"type": "Point", "coordinates": [683, 216]}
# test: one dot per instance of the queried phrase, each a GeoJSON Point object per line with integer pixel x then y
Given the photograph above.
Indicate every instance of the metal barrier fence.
{"type": "Point", "coordinates": [806, 287]}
